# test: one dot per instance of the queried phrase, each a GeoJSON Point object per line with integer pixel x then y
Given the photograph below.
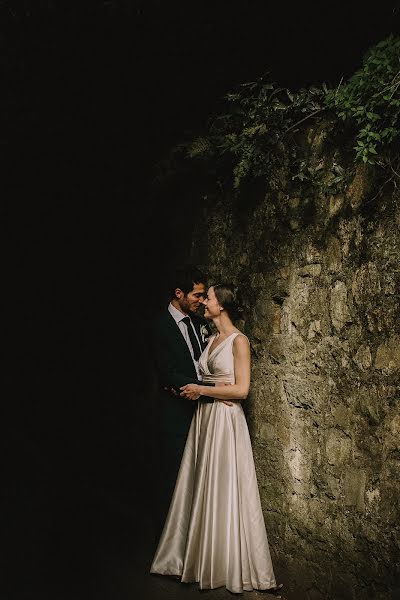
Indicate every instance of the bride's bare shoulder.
{"type": "Point", "coordinates": [241, 340]}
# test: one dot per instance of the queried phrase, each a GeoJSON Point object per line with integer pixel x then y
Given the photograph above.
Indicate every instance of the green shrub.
{"type": "Point", "coordinates": [258, 132]}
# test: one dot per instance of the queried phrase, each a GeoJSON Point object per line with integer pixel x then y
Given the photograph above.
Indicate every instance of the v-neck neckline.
{"type": "Point", "coordinates": [221, 344]}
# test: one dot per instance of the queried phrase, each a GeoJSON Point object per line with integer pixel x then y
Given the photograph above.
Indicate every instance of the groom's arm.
{"type": "Point", "coordinates": [170, 374]}
{"type": "Point", "coordinates": [169, 371]}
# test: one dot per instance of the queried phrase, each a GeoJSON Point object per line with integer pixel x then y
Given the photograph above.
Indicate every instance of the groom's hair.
{"type": "Point", "coordinates": [185, 278]}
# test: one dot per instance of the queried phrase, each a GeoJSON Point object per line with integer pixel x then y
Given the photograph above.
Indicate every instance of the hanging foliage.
{"type": "Point", "coordinates": [258, 131]}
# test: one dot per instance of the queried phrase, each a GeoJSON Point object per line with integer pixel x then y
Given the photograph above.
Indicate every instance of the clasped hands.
{"type": "Point", "coordinates": [191, 392]}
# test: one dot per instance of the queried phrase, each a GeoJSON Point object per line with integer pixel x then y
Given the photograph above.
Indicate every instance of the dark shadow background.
{"type": "Point", "coordinates": [91, 97]}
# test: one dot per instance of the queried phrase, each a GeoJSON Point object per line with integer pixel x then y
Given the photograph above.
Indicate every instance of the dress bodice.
{"type": "Point", "coordinates": [217, 365]}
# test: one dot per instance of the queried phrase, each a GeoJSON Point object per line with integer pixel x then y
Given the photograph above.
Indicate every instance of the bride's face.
{"type": "Point", "coordinates": [212, 307]}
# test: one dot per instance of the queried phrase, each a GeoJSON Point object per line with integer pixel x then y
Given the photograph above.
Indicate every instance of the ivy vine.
{"type": "Point", "coordinates": [371, 100]}
{"type": "Point", "coordinates": [260, 126]}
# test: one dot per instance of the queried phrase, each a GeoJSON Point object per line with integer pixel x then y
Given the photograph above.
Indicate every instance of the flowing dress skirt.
{"type": "Point", "coordinates": [215, 533]}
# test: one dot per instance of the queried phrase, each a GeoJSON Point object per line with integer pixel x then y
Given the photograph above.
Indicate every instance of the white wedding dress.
{"type": "Point", "coordinates": [214, 533]}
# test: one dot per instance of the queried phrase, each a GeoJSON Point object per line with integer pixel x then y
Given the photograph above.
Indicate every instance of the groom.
{"type": "Point", "coordinates": [179, 337]}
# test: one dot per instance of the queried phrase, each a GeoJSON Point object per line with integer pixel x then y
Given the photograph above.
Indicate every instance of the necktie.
{"type": "Point", "coordinates": [192, 337]}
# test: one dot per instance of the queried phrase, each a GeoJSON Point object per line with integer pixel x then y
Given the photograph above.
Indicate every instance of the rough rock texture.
{"type": "Point", "coordinates": [321, 280]}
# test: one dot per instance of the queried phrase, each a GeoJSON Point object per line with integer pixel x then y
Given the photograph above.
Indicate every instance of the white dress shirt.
{"type": "Point", "coordinates": [178, 316]}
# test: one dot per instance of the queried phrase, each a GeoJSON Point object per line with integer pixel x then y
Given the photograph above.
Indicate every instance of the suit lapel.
{"type": "Point", "coordinates": [198, 325]}
{"type": "Point", "coordinates": [176, 334]}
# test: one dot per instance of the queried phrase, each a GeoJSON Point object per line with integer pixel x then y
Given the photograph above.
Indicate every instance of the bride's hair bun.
{"type": "Point", "coordinates": [228, 297]}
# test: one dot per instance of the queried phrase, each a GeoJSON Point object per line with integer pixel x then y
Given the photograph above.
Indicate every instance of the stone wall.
{"type": "Point", "coordinates": [320, 277]}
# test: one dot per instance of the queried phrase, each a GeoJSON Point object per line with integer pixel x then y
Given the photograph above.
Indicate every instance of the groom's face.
{"type": "Point", "coordinates": [191, 301]}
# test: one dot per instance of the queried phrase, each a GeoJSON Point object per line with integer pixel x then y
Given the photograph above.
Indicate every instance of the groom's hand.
{"type": "Point", "coordinates": [171, 390]}
{"type": "Point", "coordinates": [190, 391]}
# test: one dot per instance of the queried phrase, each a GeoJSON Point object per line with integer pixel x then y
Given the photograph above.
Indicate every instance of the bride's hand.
{"type": "Point", "coordinates": [190, 391]}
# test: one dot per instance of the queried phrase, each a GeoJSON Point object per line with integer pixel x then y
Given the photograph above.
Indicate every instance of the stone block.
{"type": "Point", "coordinates": [373, 496]}
{"type": "Point", "coordinates": [295, 348]}
{"type": "Point", "coordinates": [390, 284]}
{"type": "Point", "coordinates": [337, 447]}
{"type": "Point", "coordinates": [334, 254]}
{"type": "Point", "coordinates": [339, 310]}
{"type": "Point", "coordinates": [307, 392]}
{"type": "Point", "coordinates": [276, 319]}
{"type": "Point", "coordinates": [333, 487]}
{"type": "Point", "coordinates": [394, 426]}
{"type": "Point", "coordinates": [358, 187]}
{"type": "Point", "coordinates": [370, 405]}
{"type": "Point", "coordinates": [314, 329]}
{"type": "Point", "coordinates": [313, 270]}
{"type": "Point", "coordinates": [263, 312]}
{"type": "Point", "coordinates": [350, 233]}
{"type": "Point", "coordinates": [284, 272]}
{"type": "Point", "coordinates": [280, 290]}
{"type": "Point", "coordinates": [313, 254]}
{"type": "Point", "coordinates": [382, 318]}
{"type": "Point", "coordinates": [342, 416]}
{"type": "Point", "coordinates": [366, 284]}
{"type": "Point", "coordinates": [326, 484]}
{"type": "Point", "coordinates": [363, 358]}
{"type": "Point", "coordinates": [388, 354]}
{"type": "Point", "coordinates": [267, 432]}
{"type": "Point", "coordinates": [277, 349]}
{"type": "Point", "coordinates": [335, 204]}
{"type": "Point", "coordinates": [354, 488]}
{"type": "Point", "coordinates": [299, 467]}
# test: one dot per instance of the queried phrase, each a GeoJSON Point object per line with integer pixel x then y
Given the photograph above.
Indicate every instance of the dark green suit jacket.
{"type": "Point", "coordinates": [175, 368]}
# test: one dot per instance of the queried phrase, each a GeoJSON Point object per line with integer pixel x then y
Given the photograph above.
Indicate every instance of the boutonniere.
{"type": "Point", "coordinates": [204, 333]}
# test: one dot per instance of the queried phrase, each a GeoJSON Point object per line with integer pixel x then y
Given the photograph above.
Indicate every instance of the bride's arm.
{"type": "Point", "coordinates": [237, 391]}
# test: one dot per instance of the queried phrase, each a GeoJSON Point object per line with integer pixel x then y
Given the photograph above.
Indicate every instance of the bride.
{"type": "Point", "coordinates": [214, 533]}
